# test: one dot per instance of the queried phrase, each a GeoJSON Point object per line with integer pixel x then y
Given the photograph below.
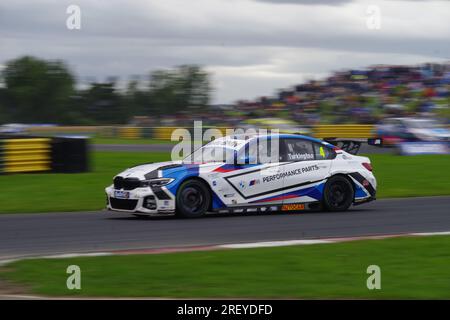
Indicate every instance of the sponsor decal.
{"type": "Point", "coordinates": [242, 184]}
{"type": "Point", "coordinates": [229, 195]}
{"type": "Point", "coordinates": [254, 182]}
{"type": "Point", "coordinates": [293, 207]}
{"type": "Point", "coordinates": [300, 156]}
{"type": "Point", "coordinates": [290, 173]}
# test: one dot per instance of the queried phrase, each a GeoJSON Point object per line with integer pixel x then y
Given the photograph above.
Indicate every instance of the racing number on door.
{"type": "Point", "coordinates": [308, 165]}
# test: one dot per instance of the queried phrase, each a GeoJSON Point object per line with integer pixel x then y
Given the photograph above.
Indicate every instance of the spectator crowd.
{"type": "Point", "coordinates": [352, 96]}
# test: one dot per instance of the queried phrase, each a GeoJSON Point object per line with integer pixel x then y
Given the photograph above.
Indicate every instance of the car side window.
{"type": "Point", "coordinates": [297, 150]}
{"type": "Point", "coordinates": [322, 152]}
{"type": "Point", "coordinates": [259, 151]}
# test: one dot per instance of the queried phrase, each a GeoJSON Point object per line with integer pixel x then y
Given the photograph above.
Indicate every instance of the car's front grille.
{"type": "Point", "coordinates": [123, 204]}
{"type": "Point", "coordinates": [126, 183]}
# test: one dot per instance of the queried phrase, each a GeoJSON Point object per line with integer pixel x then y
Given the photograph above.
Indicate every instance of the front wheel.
{"type": "Point", "coordinates": [193, 199]}
{"type": "Point", "coordinates": [338, 194]}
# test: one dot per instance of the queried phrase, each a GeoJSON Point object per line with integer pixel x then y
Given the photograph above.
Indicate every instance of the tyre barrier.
{"type": "Point", "coordinates": [165, 133]}
{"type": "Point", "coordinates": [35, 154]}
{"type": "Point", "coordinates": [130, 132]}
{"type": "Point", "coordinates": [343, 131]}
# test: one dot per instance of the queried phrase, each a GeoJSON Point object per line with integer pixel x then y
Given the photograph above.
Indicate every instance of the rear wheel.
{"type": "Point", "coordinates": [338, 194]}
{"type": "Point", "coordinates": [193, 199]}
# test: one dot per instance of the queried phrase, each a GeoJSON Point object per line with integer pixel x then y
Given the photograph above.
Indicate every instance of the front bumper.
{"type": "Point", "coordinates": [141, 201]}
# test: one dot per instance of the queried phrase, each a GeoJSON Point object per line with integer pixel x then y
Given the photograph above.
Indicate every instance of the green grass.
{"type": "Point", "coordinates": [68, 192]}
{"type": "Point", "coordinates": [411, 176]}
{"type": "Point", "coordinates": [411, 268]}
{"type": "Point", "coordinates": [397, 177]}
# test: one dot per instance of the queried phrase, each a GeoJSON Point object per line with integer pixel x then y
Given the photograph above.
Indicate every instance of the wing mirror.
{"type": "Point", "coordinates": [241, 160]}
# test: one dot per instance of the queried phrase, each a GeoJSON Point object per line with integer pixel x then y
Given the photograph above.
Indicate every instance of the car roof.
{"type": "Point", "coordinates": [278, 135]}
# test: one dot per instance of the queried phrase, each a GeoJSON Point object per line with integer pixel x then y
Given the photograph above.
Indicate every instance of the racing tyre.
{"type": "Point", "coordinates": [193, 199]}
{"type": "Point", "coordinates": [338, 194]}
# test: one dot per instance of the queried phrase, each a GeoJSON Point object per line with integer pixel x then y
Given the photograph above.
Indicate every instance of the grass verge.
{"type": "Point", "coordinates": [68, 192]}
{"type": "Point", "coordinates": [411, 176]}
{"type": "Point", "coordinates": [411, 268]}
{"type": "Point", "coordinates": [397, 176]}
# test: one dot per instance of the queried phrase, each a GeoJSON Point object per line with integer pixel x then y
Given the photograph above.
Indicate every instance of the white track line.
{"type": "Point", "coordinates": [445, 233]}
{"type": "Point", "coordinates": [78, 255]}
{"type": "Point", "coordinates": [272, 244]}
{"type": "Point", "coordinates": [263, 244]}
{"type": "Point", "coordinates": [57, 256]}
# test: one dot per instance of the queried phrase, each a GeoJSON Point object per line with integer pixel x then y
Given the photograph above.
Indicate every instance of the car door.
{"type": "Point", "coordinates": [259, 177]}
{"type": "Point", "coordinates": [306, 165]}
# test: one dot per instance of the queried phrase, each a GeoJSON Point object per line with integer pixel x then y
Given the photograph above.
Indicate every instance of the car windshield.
{"type": "Point", "coordinates": [210, 154]}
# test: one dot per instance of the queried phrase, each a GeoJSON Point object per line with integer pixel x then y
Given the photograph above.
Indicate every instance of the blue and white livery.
{"type": "Point", "coordinates": [283, 172]}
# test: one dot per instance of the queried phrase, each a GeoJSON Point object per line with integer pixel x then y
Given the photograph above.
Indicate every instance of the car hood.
{"type": "Point", "coordinates": [148, 169]}
{"type": "Point", "coordinates": [154, 170]}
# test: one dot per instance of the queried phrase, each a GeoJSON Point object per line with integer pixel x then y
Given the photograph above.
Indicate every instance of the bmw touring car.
{"type": "Point", "coordinates": [260, 173]}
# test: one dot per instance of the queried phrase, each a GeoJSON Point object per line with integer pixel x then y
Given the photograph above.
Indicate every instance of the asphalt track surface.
{"type": "Point", "coordinates": [365, 149]}
{"type": "Point", "coordinates": [56, 233]}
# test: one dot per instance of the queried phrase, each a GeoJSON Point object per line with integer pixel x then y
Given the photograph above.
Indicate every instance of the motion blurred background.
{"type": "Point", "coordinates": [168, 63]}
{"type": "Point", "coordinates": [125, 78]}
{"type": "Point", "coordinates": [89, 88]}
{"type": "Point", "coordinates": [39, 92]}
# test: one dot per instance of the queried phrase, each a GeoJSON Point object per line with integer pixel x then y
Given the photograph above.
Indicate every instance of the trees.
{"type": "Point", "coordinates": [37, 90]}
{"type": "Point", "coordinates": [137, 100]}
{"type": "Point", "coordinates": [186, 87]}
{"type": "Point", "coordinates": [103, 104]}
{"type": "Point", "coordinates": [40, 91]}
{"type": "Point", "coordinates": [4, 116]}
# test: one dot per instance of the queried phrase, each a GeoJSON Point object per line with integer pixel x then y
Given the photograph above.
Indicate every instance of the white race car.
{"type": "Point", "coordinates": [283, 172]}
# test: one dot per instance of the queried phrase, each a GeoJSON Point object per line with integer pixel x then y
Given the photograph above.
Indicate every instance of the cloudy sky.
{"type": "Point", "coordinates": [251, 47]}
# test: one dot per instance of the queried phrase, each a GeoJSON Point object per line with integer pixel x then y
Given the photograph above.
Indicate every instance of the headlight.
{"type": "Point", "coordinates": [159, 182]}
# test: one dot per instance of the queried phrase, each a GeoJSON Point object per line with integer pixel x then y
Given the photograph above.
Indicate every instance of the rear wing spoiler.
{"type": "Point", "coordinates": [352, 146]}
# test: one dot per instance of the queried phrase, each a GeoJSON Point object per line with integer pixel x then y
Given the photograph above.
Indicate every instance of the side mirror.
{"type": "Point", "coordinates": [241, 160]}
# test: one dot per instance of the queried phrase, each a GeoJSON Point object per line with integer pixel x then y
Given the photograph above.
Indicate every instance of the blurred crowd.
{"type": "Point", "coordinates": [351, 96]}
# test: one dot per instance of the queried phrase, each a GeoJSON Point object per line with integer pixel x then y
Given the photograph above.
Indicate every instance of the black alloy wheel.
{"type": "Point", "coordinates": [338, 194]}
{"type": "Point", "coordinates": [193, 199]}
